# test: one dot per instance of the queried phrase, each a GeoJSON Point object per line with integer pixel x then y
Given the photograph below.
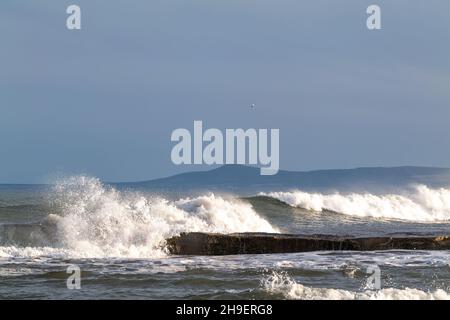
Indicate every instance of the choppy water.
{"type": "Point", "coordinates": [116, 237]}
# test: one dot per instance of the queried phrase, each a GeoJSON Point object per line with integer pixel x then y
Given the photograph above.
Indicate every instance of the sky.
{"type": "Point", "coordinates": [104, 100]}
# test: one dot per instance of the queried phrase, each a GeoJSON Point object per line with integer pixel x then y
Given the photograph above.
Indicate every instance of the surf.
{"type": "Point", "coordinates": [91, 219]}
{"type": "Point", "coordinates": [419, 203]}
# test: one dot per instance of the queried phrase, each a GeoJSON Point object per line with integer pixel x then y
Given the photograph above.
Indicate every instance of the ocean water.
{"type": "Point", "coordinates": [116, 237]}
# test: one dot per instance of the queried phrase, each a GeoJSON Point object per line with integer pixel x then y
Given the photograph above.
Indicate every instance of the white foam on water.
{"type": "Point", "coordinates": [32, 252]}
{"type": "Point", "coordinates": [420, 203]}
{"type": "Point", "coordinates": [282, 284]}
{"type": "Point", "coordinates": [99, 221]}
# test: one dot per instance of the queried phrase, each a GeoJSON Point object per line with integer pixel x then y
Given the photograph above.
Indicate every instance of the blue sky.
{"type": "Point", "coordinates": [104, 100]}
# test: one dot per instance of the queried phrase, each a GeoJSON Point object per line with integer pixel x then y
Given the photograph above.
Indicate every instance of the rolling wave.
{"type": "Point", "coordinates": [420, 204]}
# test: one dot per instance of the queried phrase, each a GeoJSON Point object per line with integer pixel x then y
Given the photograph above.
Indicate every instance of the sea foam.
{"type": "Point", "coordinates": [282, 284]}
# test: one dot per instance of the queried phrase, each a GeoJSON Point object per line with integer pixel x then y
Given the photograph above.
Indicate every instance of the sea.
{"type": "Point", "coordinates": [115, 237]}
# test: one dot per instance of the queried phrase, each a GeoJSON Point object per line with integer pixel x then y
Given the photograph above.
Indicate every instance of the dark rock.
{"type": "Point", "coordinates": [197, 243]}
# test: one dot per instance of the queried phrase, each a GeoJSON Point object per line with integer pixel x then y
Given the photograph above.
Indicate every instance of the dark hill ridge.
{"type": "Point", "coordinates": [245, 177]}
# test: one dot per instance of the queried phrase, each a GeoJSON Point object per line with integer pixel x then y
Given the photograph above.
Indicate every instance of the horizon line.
{"type": "Point", "coordinates": [234, 165]}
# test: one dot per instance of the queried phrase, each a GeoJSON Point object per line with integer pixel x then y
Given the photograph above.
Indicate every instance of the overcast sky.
{"type": "Point", "coordinates": [104, 100]}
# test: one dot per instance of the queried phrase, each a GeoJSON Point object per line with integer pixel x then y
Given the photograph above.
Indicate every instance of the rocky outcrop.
{"type": "Point", "coordinates": [197, 243]}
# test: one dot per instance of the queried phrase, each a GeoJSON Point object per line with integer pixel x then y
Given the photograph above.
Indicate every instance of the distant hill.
{"type": "Point", "coordinates": [239, 177]}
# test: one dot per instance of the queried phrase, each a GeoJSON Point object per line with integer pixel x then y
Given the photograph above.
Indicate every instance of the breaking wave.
{"type": "Point", "coordinates": [94, 220]}
{"type": "Point", "coordinates": [282, 284]}
{"type": "Point", "coordinates": [421, 204]}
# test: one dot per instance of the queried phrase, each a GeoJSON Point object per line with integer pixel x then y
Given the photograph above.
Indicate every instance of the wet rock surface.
{"type": "Point", "coordinates": [198, 243]}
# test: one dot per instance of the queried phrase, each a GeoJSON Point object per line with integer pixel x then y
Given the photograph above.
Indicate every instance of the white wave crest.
{"type": "Point", "coordinates": [421, 203]}
{"type": "Point", "coordinates": [279, 283]}
{"type": "Point", "coordinates": [98, 221]}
